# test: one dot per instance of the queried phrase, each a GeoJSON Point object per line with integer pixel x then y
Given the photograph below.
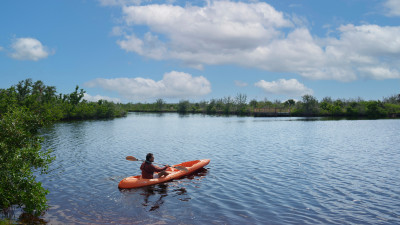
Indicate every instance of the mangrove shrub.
{"type": "Point", "coordinates": [20, 156]}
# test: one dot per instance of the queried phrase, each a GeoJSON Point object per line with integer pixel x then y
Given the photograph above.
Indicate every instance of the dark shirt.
{"type": "Point", "coordinates": [148, 170]}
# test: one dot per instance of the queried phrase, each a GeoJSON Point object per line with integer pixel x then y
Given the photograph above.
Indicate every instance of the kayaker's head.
{"type": "Point", "coordinates": [149, 158]}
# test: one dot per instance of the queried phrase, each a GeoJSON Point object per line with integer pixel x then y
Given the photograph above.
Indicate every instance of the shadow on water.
{"type": "Point", "coordinates": [155, 196]}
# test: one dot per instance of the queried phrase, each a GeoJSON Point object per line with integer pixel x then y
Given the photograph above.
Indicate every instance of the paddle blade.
{"type": "Point", "coordinates": [181, 168]}
{"type": "Point", "coordinates": [131, 158]}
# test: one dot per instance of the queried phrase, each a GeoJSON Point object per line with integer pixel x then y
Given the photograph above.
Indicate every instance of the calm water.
{"type": "Point", "coordinates": [262, 171]}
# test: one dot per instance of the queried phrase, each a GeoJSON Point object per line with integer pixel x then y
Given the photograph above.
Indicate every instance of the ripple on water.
{"type": "Point", "coordinates": [262, 171]}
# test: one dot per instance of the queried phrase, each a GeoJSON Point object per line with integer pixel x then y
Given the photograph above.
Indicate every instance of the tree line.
{"type": "Point", "coordinates": [307, 106]}
{"type": "Point", "coordinates": [45, 101]}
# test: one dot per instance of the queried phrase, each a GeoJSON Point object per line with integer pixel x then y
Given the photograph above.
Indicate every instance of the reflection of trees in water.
{"type": "Point", "coordinates": [154, 195]}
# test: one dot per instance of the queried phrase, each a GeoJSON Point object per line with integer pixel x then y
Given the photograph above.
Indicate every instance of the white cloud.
{"type": "Point", "coordinates": [367, 46]}
{"type": "Point", "coordinates": [217, 33]}
{"type": "Point", "coordinates": [1, 48]}
{"type": "Point", "coordinates": [258, 36]}
{"type": "Point", "coordinates": [173, 85]}
{"type": "Point", "coordinates": [117, 31]}
{"type": "Point", "coordinates": [290, 87]}
{"type": "Point", "coordinates": [241, 83]}
{"type": "Point", "coordinates": [150, 47]}
{"type": "Point", "coordinates": [28, 49]}
{"type": "Point", "coordinates": [119, 2]}
{"type": "Point", "coordinates": [96, 98]}
{"type": "Point", "coordinates": [393, 7]}
{"type": "Point", "coordinates": [380, 73]}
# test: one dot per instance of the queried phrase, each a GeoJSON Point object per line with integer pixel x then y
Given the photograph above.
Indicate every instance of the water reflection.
{"type": "Point", "coordinates": [158, 191]}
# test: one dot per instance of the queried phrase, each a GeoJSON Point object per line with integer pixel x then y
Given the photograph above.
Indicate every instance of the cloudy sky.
{"type": "Point", "coordinates": [142, 50]}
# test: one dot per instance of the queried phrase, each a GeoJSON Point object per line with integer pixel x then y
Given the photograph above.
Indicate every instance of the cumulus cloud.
{"type": "Point", "coordinates": [28, 49]}
{"type": "Point", "coordinates": [216, 33]}
{"type": "Point", "coordinates": [256, 35]}
{"type": "Point", "coordinates": [365, 48]}
{"type": "Point", "coordinates": [173, 85]}
{"type": "Point", "coordinates": [291, 87]}
{"type": "Point", "coordinates": [393, 7]}
{"type": "Point", "coordinates": [96, 98]}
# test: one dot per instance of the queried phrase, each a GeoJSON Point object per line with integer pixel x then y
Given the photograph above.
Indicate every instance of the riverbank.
{"type": "Point", "coordinates": [309, 106]}
{"type": "Point", "coordinates": [277, 114]}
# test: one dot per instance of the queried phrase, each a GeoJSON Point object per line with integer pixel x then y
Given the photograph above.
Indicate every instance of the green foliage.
{"type": "Point", "coordinates": [241, 105]}
{"type": "Point", "coordinates": [24, 108]}
{"type": "Point", "coordinates": [211, 107]}
{"type": "Point", "coordinates": [183, 106]}
{"type": "Point", "coordinates": [6, 222]}
{"type": "Point", "coordinates": [289, 103]}
{"type": "Point", "coordinates": [159, 105]}
{"type": "Point", "coordinates": [309, 105]}
{"type": "Point", "coordinates": [228, 105]}
{"type": "Point", "coordinates": [20, 156]}
{"type": "Point", "coordinates": [375, 109]}
{"type": "Point", "coordinates": [75, 97]}
{"type": "Point", "coordinates": [253, 103]}
{"type": "Point", "coordinates": [43, 100]}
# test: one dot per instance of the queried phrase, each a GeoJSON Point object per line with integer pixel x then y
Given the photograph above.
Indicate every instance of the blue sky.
{"type": "Point", "coordinates": [142, 50]}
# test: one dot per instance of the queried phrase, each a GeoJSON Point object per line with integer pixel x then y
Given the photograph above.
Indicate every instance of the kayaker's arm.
{"type": "Point", "coordinates": [158, 169]}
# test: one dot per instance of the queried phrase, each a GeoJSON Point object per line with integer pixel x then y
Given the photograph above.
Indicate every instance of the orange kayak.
{"type": "Point", "coordinates": [138, 181]}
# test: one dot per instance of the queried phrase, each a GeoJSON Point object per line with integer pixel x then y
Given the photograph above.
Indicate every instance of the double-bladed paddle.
{"type": "Point", "coordinates": [182, 168]}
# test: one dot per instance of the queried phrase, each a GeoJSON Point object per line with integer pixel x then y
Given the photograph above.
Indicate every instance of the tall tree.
{"type": "Point", "coordinates": [310, 104]}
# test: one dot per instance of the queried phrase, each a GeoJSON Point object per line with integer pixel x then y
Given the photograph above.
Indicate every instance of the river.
{"type": "Point", "coordinates": [262, 170]}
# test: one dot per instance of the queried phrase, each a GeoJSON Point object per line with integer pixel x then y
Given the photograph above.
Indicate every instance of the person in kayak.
{"type": "Point", "coordinates": [148, 168]}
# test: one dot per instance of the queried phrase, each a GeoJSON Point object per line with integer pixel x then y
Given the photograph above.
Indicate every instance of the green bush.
{"type": "Point", "coordinates": [20, 156]}
{"type": "Point", "coordinates": [183, 106]}
{"type": "Point", "coordinates": [24, 108]}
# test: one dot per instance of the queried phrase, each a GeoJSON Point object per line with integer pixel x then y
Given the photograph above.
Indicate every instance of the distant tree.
{"type": "Point", "coordinates": [289, 103]}
{"type": "Point", "coordinates": [253, 103]}
{"type": "Point", "coordinates": [309, 104]}
{"type": "Point", "coordinates": [375, 110]}
{"type": "Point", "coordinates": [75, 97]}
{"type": "Point", "coordinates": [160, 104]}
{"type": "Point", "coordinates": [24, 89]}
{"type": "Point", "coordinates": [394, 99]}
{"type": "Point", "coordinates": [241, 104]}
{"type": "Point", "coordinates": [327, 100]}
{"type": "Point", "coordinates": [49, 93]}
{"type": "Point", "coordinates": [219, 105]}
{"type": "Point", "coordinates": [352, 110]}
{"type": "Point", "coordinates": [183, 106]}
{"type": "Point", "coordinates": [228, 104]}
{"type": "Point", "coordinates": [211, 107]}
